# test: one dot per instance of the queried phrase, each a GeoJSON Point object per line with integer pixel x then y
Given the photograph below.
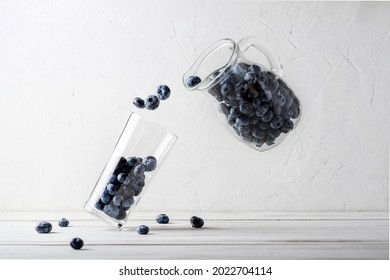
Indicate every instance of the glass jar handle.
{"type": "Point", "coordinates": [273, 60]}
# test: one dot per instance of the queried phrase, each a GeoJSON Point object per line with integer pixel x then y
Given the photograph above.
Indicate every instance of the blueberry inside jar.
{"type": "Point", "coordinates": [256, 105]}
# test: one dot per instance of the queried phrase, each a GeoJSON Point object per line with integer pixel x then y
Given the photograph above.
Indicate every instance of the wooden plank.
{"type": "Point", "coordinates": [247, 236]}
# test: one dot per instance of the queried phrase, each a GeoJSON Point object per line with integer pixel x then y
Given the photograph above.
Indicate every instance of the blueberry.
{"type": "Point", "coordinates": [99, 205]}
{"type": "Point", "coordinates": [118, 199]}
{"type": "Point", "coordinates": [150, 163]}
{"type": "Point", "coordinates": [259, 142]}
{"type": "Point", "coordinates": [265, 96]}
{"type": "Point", "coordinates": [111, 210]}
{"type": "Point", "coordinates": [142, 229]}
{"type": "Point", "coordinates": [250, 77]}
{"type": "Point", "coordinates": [295, 111]}
{"type": "Point", "coordinates": [127, 191]}
{"type": "Point", "coordinates": [287, 126]}
{"type": "Point", "coordinates": [255, 69]}
{"type": "Point", "coordinates": [112, 189]}
{"type": "Point", "coordinates": [258, 133]}
{"type": "Point", "coordinates": [235, 112]}
{"type": "Point", "coordinates": [139, 169]}
{"type": "Point", "coordinates": [289, 100]}
{"type": "Point", "coordinates": [243, 129]}
{"type": "Point", "coordinates": [277, 109]}
{"type": "Point", "coordinates": [286, 113]}
{"type": "Point", "coordinates": [261, 110]}
{"type": "Point", "coordinates": [231, 120]}
{"type": "Point", "coordinates": [128, 201]}
{"type": "Point", "coordinates": [121, 214]}
{"type": "Point", "coordinates": [276, 122]}
{"type": "Point", "coordinates": [138, 191]}
{"type": "Point", "coordinates": [63, 222]}
{"type": "Point", "coordinates": [163, 92]}
{"type": "Point", "coordinates": [263, 125]}
{"type": "Point", "coordinates": [247, 137]}
{"type": "Point", "coordinates": [105, 197]}
{"type": "Point", "coordinates": [193, 81]}
{"type": "Point", "coordinates": [263, 80]}
{"type": "Point", "coordinates": [223, 108]}
{"type": "Point", "coordinates": [256, 103]}
{"type": "Point", "coordinates": [152, 102]}
{"type": "Point", "coordinates": [274, 132]}
{"type": "Point", "coordinates": [121, 177]}
{"type": "Point", "coordinates": [272, 86]}
{"type": "Point", "coordinates": [271, 76]}
{"type": "Point", "coordinates": [254, 120]}
{"type": "Point", "coordinates": [279, 99]}
{"type": "Point", "coordinates": [245, 107]}
{"type": "Point", "coordinates": [241, 87]}
{"type": "Point", "coordinates": [267, 116]}
{"type": "Point", "coordinates": [43, 227]}
{"type": "Point", "coordinates": [196, 222]}
{"type": "Point", "coordinates": [131, 161]}
{"type": "Point", "coordinates": [138, 181]}
{"type": "Point", "coordinates": [226, 88]}
{"type": "Point", "coordinates": [269, 140]}
{"type": "Point", "coordinates": [77, 243]}
{"type": "Point", "coordinates": [242, 121]}
{"type": "Point", "coordinates": [162, 219]}
{"type": "Point", "coordinates": [139, 103]}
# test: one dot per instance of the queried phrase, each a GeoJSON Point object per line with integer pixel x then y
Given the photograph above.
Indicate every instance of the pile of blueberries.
{"type": "Point", "coordinates": [126, 182]}
{"type": "Point", "coordinates": [258, 105]}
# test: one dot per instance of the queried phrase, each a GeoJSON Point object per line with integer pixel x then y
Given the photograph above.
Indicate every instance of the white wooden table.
{"type": "Point", "coordinates": [331, 235]}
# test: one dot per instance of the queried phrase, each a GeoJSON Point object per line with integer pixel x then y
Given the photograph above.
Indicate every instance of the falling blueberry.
{"type": "Point", "coordinates": [193, 81]}
{"type": "Point", "coordinates": [139, 102]}
{"type": "Point", "coordinates": [196, 222]}
{"type": "Point", "coordinates": [163, 92]}
{"type": "Point", "coordinates": [142, 229]}
{"type": "Point", "coordinates": [162, 219]}
{"type": "Point", "coordinates": [63, 222]}
{"type": "Point", "coordinates": [43, 227]}
{"type": "Point", "coordinates": [77, 243]}
{"type": "Point", "coordinates": [152, 102]}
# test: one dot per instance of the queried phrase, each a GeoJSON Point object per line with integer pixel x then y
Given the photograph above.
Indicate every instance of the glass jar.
{"type": "Point", "coordinates": [256, 105]}
{"type": "Point", "coordinates": [136, 158]}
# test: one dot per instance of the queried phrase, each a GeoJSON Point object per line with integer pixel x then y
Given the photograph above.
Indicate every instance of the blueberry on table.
{"type": "Point", "coordinates": [43, 227]}
{"type": "Point", "coordinates": [77, 243]}
{"type": "Point", "coordinates": [63, 222]}
{"type": "Point", "coordinates": [196, 222]}
{"type": "Point", "coordinates": [142, 229]}
{"type": "Point", "coordinates": [139, 102]}
{"type": "Point", "coordinates": [152, 102]}
{"type": "Point", "coordinates": [162, 219]}
{"type": "Point", "coordinates": [193, 81]}
{"type": "Point", "coordinates": [163, 92]}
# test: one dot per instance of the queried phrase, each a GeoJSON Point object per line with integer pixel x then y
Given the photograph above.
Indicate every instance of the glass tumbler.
{"type": "Point", "coordinates": [137, 156]}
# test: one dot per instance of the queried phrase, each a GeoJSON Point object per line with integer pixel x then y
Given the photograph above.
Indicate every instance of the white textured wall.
{"type": "Point", "coordinates": [70, 69]}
